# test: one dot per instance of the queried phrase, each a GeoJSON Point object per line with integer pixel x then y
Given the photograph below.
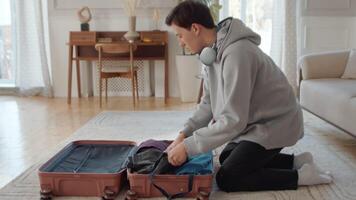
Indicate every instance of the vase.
{"type": "Point", "coordinates": [132, 35]}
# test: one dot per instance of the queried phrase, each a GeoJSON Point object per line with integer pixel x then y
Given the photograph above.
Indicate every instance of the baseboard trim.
{"type": "Point", "coordinates": [9, 91]}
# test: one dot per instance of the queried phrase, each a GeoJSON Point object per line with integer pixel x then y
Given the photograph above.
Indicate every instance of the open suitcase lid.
{"type": "Point", "coordinates": [91, 156]}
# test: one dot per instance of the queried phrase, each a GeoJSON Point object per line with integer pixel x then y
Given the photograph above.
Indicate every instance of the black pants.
{"type": "Point", "coordinates": [248, 166]}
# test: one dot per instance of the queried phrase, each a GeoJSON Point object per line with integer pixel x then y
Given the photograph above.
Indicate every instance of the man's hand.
{"type": "Point", "coordinates": [178, 140]}
{"type": "Point", "coordinates": [178, 155]}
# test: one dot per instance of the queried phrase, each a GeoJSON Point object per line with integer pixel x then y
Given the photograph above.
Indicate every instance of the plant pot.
{"type": "Point", "coordinates": [188, 68]}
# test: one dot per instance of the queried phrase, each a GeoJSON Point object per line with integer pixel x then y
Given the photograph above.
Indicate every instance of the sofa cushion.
{"type": "Point", "coordinates": [323, 65]}
{"type": "Point", "coordinates": [350, 70]}
{"type": "Point", "coordinates": [331, 99]}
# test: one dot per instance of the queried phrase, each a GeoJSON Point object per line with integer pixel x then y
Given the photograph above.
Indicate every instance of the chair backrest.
{"type": "Point", "coordinates": [115, 48]}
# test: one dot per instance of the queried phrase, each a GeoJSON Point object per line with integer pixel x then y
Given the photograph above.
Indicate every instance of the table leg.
{"type": "Point", "coordinates": [78, 74]}
{"type": "Point", "coordinates": [70, 67]}
{"type": "Point", "coordinates": [90, 78]}
{"type": "Point", "coordinates": [166, 73]}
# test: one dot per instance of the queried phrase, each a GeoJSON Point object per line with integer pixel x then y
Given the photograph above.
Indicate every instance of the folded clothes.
{"type": "Point", "coordinates": [144, 161]}
{"type": "Point", "coordinates": [158, 144]}
{"type": "Point", "coordinates": [150, 156]}
{"type": "Point", "coordinates": [197, 165]}
{"type": "Point", "coordinates": [163, 166]}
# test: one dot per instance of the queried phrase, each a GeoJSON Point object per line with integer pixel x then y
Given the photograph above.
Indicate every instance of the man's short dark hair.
{"type": "Point", "coordinates": [189, 12]}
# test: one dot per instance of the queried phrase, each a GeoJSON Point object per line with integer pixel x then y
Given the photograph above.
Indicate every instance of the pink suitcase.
{"type": "Point", "coordinates": [73, 170]}
{"type": "Point", "coordinates": [141, 185]}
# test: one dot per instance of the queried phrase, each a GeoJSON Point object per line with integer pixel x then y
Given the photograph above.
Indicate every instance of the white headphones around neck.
{"type": "Point", "coordinates": [208, 55]}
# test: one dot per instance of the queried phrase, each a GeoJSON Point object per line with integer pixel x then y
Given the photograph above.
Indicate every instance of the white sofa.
{"type": "Point", "coordinates": [324, 93]}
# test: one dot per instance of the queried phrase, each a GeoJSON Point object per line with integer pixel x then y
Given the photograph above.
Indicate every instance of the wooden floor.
{"type": "Point", "coordinates": [31, 125]}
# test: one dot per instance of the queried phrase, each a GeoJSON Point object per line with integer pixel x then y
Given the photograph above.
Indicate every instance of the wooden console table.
{"type": "Point", "coordinates": [152, 45]}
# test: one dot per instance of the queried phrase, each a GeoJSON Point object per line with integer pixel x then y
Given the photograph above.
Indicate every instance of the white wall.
{"type": "Point", "coordinates": [326, 25]}
{"type": "Point", "coordinates": [107, 15]}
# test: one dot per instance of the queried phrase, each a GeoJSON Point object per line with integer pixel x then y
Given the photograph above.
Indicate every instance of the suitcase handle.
{"type": "Point", "coordinates": [165, 193]}
{"type": "Point", "coordinates": [169, 196]}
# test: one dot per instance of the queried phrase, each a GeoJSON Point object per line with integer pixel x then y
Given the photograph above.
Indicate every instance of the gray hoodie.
{"type": "Point", "coordinates": [246, 97]}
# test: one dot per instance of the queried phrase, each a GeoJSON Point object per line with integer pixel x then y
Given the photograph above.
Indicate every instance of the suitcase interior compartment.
{"type": "Point", "coordinates": [141, 185]}
{"type": "Point", "coordinates": [87, 168]}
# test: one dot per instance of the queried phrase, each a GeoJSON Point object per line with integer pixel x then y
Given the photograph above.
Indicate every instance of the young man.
{"type": "Point", "coordinates": [247, 103]}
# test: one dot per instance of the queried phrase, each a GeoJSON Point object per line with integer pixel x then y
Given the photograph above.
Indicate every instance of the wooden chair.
{"type": "Point", "coordinates": [129, 72]}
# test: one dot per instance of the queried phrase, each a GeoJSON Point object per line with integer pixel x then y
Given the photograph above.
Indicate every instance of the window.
{"type": "Point", "coordinates": [7, 70]}
{"type": "Point", "coordinates": [256, 14]}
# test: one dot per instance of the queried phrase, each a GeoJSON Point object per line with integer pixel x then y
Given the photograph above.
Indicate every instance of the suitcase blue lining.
{"type": "Point", "coordinates": [91, 158]}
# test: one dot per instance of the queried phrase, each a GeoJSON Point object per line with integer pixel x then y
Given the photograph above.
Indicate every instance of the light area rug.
{"type": "Point", "coordinates": [333, 150]}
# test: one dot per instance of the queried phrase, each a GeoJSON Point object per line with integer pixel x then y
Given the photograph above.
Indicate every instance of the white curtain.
{"type": "Point", "coordinates": [284, 38]}
{"type": "Point", "coordinates": [32, 69]}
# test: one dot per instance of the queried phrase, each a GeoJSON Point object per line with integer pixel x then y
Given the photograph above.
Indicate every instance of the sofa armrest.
{"type": "Point", "coordinates": [323, 65]}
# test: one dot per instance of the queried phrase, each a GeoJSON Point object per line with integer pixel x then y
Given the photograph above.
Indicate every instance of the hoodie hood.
{"type": "Point", "coordinates": [231, 30]}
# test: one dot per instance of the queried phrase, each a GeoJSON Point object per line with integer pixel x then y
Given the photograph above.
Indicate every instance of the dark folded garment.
{"type": "Point", "coordinates": [163, 166]}
{"type": "Point", "coordinates": [144, 161]}
{"type": "Point", "coordinates": [151, 160]}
